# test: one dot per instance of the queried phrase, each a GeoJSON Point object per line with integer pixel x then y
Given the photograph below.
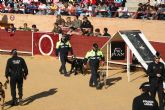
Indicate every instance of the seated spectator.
{"type": "Point", "coordinates": [63, 24]}
{"type": "Point", "coordinates": [59, 20]}
{"type": "Point", "coordinates": [113, 10]}
{"type": "Point", "coordinates": [139, 13]}
{"type": "Point", "coordinates": [76, 22]}
{"type": "Point", "coordinates": [31, 8]}
{"type": "Point", "coordinates": [68, 22]}
{"type": "Point", "coordinates": [102, 10]}
{"type": "Point", "coordinates": [161, 12]}
{"type": "Point", "coordinates": [34, 28]}
{"type": "Point", "coordinates": [71, 8]}
{"type": "Point", "coordinates": [88, 32]}
{"type": "Point", "coordinates": [72, 31]}
{"type": "Point", "coordinates": [21, 7]}
{"type": "Point", "coordinates": [11, 28]}
{"type": "Point", "coordinates": [106, 32]}
{"type": "Point", "coordinates": [86, 23]}
{"type": "Point", "coordinates": [123, 12]}
{"type": "Point", "coordinates": [97, 32]}
{"type": "Point", "coordinates": [56, 29]}
{"type": "Point", "coordinates": [53, 8]}
{"type": "Point", "coordinates": [78, 10]}
{"type": "Point", "coordinates": [42, 8]}
{"type": "Point", "coordinates": [25, 27]}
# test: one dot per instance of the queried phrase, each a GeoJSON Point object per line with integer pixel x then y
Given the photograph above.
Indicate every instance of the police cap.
{"type": "Point", "coordinates": [145, 86]}
{"type": "Point", "coordinates": [13, 51]}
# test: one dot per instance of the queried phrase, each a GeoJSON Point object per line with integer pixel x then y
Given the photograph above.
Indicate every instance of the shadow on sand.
{"type": "Point", "coordinates": [112, 81]}
{"type": "Point", "coordinates": [32, 98]}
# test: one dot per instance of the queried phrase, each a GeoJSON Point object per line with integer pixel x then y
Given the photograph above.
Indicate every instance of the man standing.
{"type": "Point", "coordinates": [63, 47]}
{"type": "Point", "coordinates": [17, 70]}
{"type": "Point", "coordinates": [144, 101]}
{"type": "Point", "coordinates": [156, 73]}
{"type": "Point", "coordinates": [94, 56]}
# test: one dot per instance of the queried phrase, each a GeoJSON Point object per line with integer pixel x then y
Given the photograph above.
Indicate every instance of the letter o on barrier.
{"type": "Point", "coordinates": [52, 45]}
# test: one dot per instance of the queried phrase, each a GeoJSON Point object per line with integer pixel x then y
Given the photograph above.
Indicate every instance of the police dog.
{"type": "Point", "coordinates": [2, 94]}
{"type": "Point", "coordinates": [76, 65]}
{"type": "Point", "coordinates": [101, 78]}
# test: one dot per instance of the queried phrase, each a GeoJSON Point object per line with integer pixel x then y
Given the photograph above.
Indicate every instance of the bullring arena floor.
{"type": "Point", "coordinates": [46, 89]}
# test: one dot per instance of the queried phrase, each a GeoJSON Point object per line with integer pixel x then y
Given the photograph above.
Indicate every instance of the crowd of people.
{"type": "Point", "coordinates": [77, 27]}
{"type": "Point", "coordinates": [12, 28]}
{"type": "Point", "coordinates": [94, 8]}
{"type": "Point", "coordinates": [71, 27]}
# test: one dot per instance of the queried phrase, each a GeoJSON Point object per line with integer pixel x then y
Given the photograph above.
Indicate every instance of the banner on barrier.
{"type": "Point", "coordinates": [117, 50]}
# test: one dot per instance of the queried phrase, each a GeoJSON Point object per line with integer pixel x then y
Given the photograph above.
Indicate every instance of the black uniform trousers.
{"type": "Point", "coordinates": [63, 59]}
{"type": "Point", "coordinates": [16, 81]}
{"type": "Point", "coordinates": [94, 65]}
{"type": "Point", "coordinates": [156, 86]}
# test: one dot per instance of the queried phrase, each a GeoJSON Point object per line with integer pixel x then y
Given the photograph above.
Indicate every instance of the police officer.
{"type": "Point", "coordinates": [17, 70]}
{"type": "Point", "coordinates": [63, 47]}
{"type": "Point", "coordinates": [94, 57]}
{"type": "Point", "coordinates": [145, 101]}
{"type": "Point", "coordinates": [156, 73]}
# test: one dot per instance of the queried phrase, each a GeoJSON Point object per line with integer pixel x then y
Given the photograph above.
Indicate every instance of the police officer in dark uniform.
{"type": "Point", "coordinates": [63, 47]}
{"type": "Point", "coordinates": [156, 73]}
{"type": "Point", "coordinates": [94, 57]}
{"type": "Point", "coordinates": [145, 101]}
{"type": "Point", "coordinates": [17, 70]}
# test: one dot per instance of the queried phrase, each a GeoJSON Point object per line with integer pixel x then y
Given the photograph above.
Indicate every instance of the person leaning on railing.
{"type": "Point", "coordinates": [56, 29]}
{"type": "Point", "coordinates": [25, 27]}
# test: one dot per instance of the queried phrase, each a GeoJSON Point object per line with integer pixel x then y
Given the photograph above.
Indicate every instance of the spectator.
{"type": "Point", "coordinates": [42, 8]}
{"type": "Point", "coordinates": [25, 27]}
{"type": "Point", "coordinates": [53, 8]}
{"type": "Point", "coordinates": [106, 32]}
{"type": "Point", "coordinates": [72, 31]}
{"type": "Point", "coordinates": [59, 20]}
{"type": "Point", "coordinates": [56, 28]}
{"type": "Point", "coordinates": [68, 22]}
{"type": "Point", "coordinates": [11, 28]}
{"type": "Point", "coordinates": [86, 23]}
{"type": "Point", "coordinates": [161, 12]}
{"type": "Point", "coordinates": [87, 31]}
{"type": "Point", "coordinates": [34, 28]}
{"type": "Point", "coordinates": [76, 22]}
{"type": "Point", "coordinates": [31, 8]}
{"type": "Point", "coordinates": [113, 10]}
{"type": "Point", "coordinates": [97, 32]}
{"type": "Point", "coordinates": [123, 12]}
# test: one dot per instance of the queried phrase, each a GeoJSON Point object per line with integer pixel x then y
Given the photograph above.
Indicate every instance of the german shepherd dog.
{"type": "Point", "coordinates": [101, 78]}
{"type": "Point", "coordinates": [76, 65]}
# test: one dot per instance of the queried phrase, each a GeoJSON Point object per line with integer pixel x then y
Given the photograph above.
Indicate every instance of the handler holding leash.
{"type": "Point", "coordinates": [17, 70]}
{"type": "Point", "coordinates": [62, 48]}
{"type": "Point", "coordinates": [94, 56]}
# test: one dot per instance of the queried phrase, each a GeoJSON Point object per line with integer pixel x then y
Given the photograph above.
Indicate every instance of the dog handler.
{"type": "Point", "coordinates": [17, 70]}
{"type": "Point", "coordinates": [94, 57]}
{"type": "Point", "coordinates": [63, 47]}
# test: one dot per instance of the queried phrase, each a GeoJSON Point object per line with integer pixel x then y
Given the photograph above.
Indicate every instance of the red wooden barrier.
{"type": "Point", "coordinates": [21, 40]}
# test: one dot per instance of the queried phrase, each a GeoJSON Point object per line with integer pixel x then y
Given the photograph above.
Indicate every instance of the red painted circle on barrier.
{"type": "Point", "coordinates": [12, 17]}
{"type": "Point", "coordinates": [46, 45]}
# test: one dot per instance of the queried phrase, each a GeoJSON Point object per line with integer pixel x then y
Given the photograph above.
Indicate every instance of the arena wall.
{"type": "Point", "coordinates": [153, 29]}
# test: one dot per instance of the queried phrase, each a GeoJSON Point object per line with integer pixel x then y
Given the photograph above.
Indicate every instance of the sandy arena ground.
{"type": "Point", "coordinates": [46, 89]}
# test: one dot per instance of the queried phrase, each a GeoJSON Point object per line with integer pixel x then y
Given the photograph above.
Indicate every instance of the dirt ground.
{"type": "Point", "coordinates": [46, 89]}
